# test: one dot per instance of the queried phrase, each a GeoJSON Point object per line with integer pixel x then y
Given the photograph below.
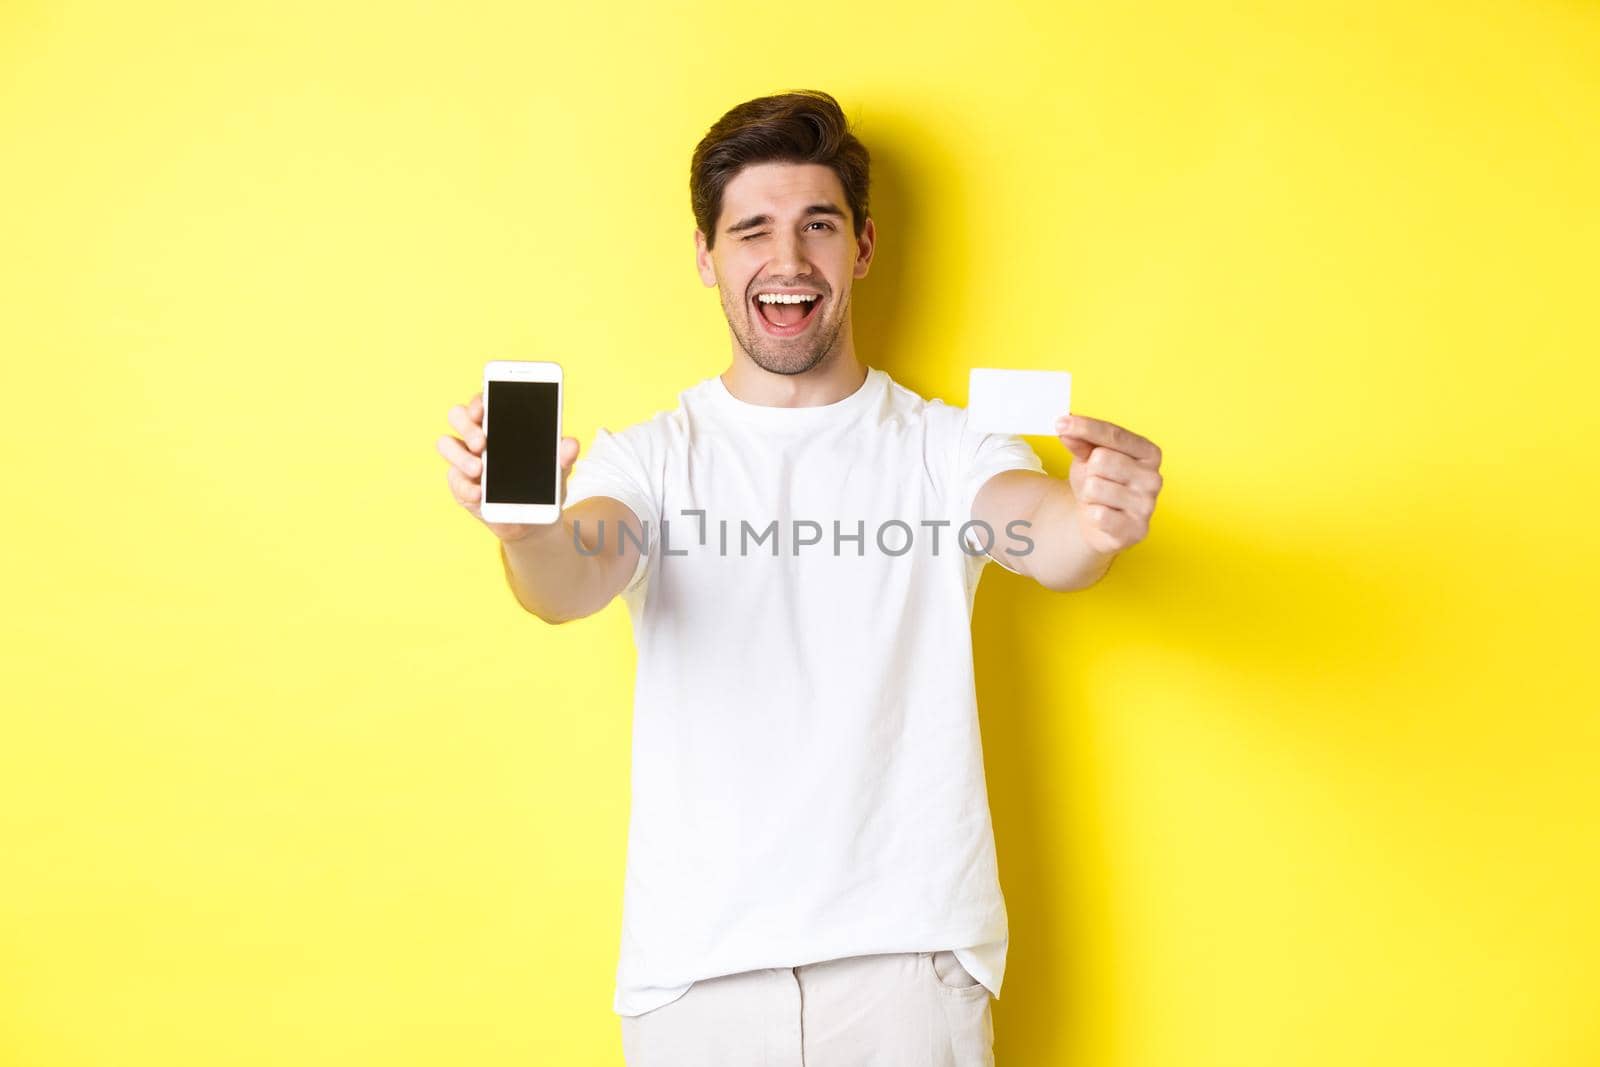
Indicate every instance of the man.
{"type": "Point", "coordinates": [811, 868]}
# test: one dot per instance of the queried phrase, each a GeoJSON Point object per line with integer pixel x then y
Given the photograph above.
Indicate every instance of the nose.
{"type": "Point", "coordinates": [787, 259]}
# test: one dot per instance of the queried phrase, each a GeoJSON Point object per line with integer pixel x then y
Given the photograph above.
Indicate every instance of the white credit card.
{"type": "Point", "coordinates": [1017, 401]}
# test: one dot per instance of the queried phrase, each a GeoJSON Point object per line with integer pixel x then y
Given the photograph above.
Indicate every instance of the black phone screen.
{"type": "Point", "coordinates": [521, 451]}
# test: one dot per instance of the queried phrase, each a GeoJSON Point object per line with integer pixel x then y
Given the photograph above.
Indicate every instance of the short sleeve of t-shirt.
{"type": "Point", "coordinates": [980, 456]}
{"type": "Point", "coordinates": [618, 466]}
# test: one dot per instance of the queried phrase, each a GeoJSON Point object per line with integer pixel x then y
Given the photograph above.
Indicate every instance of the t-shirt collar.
{"type": "Point", "coordinates": [809, 416]}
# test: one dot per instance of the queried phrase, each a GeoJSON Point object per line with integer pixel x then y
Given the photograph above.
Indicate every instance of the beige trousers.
{"type": "Point", "coordinates": [887, 1010]}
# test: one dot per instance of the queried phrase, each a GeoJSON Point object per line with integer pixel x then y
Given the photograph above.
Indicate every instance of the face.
{"type": "Point", "coordinates": [785, 229]}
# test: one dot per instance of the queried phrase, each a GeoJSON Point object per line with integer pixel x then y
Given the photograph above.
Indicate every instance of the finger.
{"type": "Point", "coordinates": [466, 492]}
{"type": "Point", "coordinates": [469, 428]}
{"type": "Point", "coordinates": [456, 452]}
{"type": "Point", "coordinates": [475, 408]}
{"type": "Point", "coordinates": [1117, 466]}
{"type": "Point", "coordinates": [1097, 490]}
{"type": "Point", "coordinates": [1119, 528]}
{"type": "Point", "coordinates": [1100, 432]}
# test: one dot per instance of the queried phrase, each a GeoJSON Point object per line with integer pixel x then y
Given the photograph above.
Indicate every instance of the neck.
{"type": "Point", "coordinates": [838, 375]}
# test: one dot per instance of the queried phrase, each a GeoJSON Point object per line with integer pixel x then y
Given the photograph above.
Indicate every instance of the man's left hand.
{"type": "Point", "coordinates": [1115, 477]}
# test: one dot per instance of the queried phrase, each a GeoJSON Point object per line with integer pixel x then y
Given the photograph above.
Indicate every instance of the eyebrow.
{"type": "Point", "coordinates": [765, 220]}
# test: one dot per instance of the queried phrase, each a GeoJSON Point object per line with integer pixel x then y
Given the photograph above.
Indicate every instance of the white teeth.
{"type": "Point", "coordinates": [786, 298]}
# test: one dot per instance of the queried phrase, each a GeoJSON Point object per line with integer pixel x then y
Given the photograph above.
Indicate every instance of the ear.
{"type": "Point", "coordinates": [702, 260]}
{"type": "Point", "coordinates": [866, 244]}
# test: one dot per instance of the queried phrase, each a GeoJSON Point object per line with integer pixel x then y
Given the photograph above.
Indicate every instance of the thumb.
{"type": "Point", "coordinates": [566, 456]}
{"type": "Point", "coordinates": [567, 453]}
{"type": "Point", "coordinates": [1079, 448]}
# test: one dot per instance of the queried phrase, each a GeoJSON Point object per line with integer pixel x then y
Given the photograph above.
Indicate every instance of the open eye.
{"type": "Point", "coordinates": [819, 222]}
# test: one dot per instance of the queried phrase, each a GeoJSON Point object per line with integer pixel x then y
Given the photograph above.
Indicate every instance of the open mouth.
{"type": "Point", "coordinates": [786, 314]}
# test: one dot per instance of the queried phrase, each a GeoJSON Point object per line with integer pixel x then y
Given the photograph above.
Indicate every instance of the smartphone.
{"type": "Point", "coordinates": [522, 427]}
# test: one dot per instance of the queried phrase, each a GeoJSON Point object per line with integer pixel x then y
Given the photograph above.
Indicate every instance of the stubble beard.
{"type": "Point", "coordinates": [786, 355]}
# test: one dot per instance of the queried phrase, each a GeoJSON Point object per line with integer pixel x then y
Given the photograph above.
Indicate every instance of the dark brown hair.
{"type": "Point", "coordinates": [805, 126]}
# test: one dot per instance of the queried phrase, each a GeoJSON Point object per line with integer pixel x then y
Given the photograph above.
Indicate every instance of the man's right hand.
{"type": "Point", "coordinates": [465, 474]}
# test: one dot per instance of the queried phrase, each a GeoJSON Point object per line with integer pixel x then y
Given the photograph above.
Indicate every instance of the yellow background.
{"type": "Point", "coordinates": [287, 777]}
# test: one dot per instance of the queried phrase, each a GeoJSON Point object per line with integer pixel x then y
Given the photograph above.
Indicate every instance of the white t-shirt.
{"type": "Point", "coordinates": [807, 774]}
